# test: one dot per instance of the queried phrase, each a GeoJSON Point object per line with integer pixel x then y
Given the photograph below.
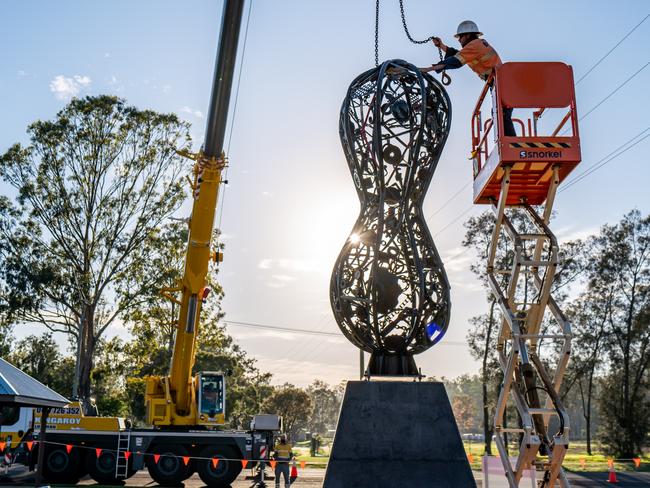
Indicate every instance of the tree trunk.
{"type": "Point", "coordinates": [487, 430]}
{"type": "Point", "coordinates": [590, 389]}
{"type": "Point", "coordinates": [628, 422]}
{"type": "Point", "coordinates": [172, 329]}
{"type": "Point", "coordinates": [75, 385]}
{"type": "Point", "coordinates": [486, 421]}
{"type": "Point", "coordinates": [86, 353]}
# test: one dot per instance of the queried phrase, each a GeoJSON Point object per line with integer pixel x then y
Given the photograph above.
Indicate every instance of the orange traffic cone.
{"type": "Point", "coordinates": [612, 475]}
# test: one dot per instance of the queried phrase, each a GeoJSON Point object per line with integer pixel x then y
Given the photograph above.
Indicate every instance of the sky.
{"type": "Point", "coordinates": [290, 203]}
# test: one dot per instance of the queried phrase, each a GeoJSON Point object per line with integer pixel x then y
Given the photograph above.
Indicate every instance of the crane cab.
{"type": "Point", "coordinates": [211, 398]}
{"type": "Point", "coordinates": [534, 152]}
{"type": "Point", "coordinates": [207, 401]}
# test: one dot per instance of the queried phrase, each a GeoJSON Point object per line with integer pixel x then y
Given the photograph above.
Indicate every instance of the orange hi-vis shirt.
{"type": "Point", "coordinates": [479, 56]}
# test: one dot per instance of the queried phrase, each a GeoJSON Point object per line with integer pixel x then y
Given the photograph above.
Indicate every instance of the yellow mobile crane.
{"type": "Point", "coordinates": [180, 398]}
{"type": "Point", "coordinates": [184, 410]}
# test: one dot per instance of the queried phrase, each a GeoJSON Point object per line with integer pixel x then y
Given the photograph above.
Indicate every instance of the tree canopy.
{"type": "Point", "coordinates": [92, 187]}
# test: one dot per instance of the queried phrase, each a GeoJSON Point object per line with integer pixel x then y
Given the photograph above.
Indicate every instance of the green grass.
{"type": "Point", "coordinates": [475, 450]}
{"type": "Point", "coordinates": [301, 449]}
{"type": "Point", "coordinates": [572, 460]}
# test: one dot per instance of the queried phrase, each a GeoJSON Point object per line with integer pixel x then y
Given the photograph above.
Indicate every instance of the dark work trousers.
{"type": "Point", "coordinates": [508, 126]}
{"type": "Point", "coordinates": [282, 468]}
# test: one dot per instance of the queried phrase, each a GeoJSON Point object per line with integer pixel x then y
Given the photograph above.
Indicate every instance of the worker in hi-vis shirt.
{"type": "Point", "coordinates": [475, 53]}
{"type": "Point", "coordinates": [282, 454]}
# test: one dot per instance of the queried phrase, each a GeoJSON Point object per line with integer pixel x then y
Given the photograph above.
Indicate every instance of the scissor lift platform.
{"type": "Point", "coordinates": [530, 156]}
{"type": "Point", "coordinates": [515, 174]}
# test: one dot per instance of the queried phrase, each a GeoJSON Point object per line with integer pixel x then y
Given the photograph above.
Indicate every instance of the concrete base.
{"type": "Point", "coordinates": [397, 434]}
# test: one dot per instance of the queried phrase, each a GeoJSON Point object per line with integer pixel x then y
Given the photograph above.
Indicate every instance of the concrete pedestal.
{"type": "Point", "coordinates": [394, 434]}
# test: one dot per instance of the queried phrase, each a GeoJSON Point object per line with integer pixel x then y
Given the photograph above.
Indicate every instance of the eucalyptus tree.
{"type": "Point", "coordinates": [92, 187]}
{"type": "Point", "coordinates": [619, 282]}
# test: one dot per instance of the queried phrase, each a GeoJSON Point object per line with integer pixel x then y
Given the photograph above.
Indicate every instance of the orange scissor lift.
{"type": "Point", "coordinates": [519, 176]}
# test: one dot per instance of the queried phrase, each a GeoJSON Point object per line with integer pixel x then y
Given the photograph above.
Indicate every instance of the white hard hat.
{"type": "Point", "coordinates": [467, 27]}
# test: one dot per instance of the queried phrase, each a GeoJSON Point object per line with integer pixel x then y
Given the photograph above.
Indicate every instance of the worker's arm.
{"type": "Point", "coordinates": [450, 61]}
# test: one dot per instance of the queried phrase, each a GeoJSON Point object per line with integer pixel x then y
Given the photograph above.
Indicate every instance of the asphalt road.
{"type": "Point", "coordinates": [628, 479]}
{"type": "Point", "coordinates": [313, 478]}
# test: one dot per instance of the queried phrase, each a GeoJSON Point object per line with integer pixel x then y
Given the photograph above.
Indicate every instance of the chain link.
{"type": "Point", "coordinates": [408, 34]}
{"type": "Point", "coordinates": [377, 33]}
{"type": "Point", "coordinates": [446, 80]}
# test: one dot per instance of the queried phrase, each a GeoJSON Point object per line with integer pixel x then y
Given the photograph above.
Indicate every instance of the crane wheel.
{"type": "Point", "coordinates": [170, 470]}
{"type": "Point", "coordinates": [102, 468]}
{"type": "Point", "coordinates": [60, 466]}
{"type": "Point", "coordinates": [227, 469]}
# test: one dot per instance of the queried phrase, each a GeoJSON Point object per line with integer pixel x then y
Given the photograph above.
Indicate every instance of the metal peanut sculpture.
{"type": "Point", "coordinates": [389, 290]}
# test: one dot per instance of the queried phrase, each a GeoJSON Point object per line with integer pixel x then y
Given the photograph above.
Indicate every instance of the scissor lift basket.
{"type": "Point", "coordinates": [530, 155]}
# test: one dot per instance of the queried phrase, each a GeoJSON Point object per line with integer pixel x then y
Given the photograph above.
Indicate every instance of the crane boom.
{"type": "Point", "coordinates": [223, 76]}
{"type": "Point", "coordinates": [173, 400]}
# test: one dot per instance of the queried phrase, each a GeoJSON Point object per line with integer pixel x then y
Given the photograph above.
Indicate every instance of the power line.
{"type": "Point", "coordinates": [611, 50]}
{"type": "Point", "coordinates": [610, 157]}
{"type": "Point", "coordinates": [598, 164]}
{"type": "Point", "coordinates": [282, 329]}
{"type": "Point", "coordinates": [454, 220]}
{"type": "Point", "coordinates": [609, 95]}
{"type": "Point", "coordinates": [615, 90]}
{"type": "Point", "coordinates": [311, 345]}
{"type": "Point", "coordinates": [449, 200]}
{"type": "Point", "coordinates": [292, 330]}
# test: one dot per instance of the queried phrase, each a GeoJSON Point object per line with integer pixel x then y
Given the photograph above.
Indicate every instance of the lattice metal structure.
{"type": "Point", "coordinates": [389, 291]}
{"type": "Point", "coordinates": [528, 379]}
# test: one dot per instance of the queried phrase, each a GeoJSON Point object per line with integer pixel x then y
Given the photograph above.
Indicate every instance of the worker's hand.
{"type": "Point", "coordinates": [438, 43]}
{"type": "Point", "coordinates": [436, 67]}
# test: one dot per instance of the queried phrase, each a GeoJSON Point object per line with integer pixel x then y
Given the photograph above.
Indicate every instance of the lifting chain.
{"type": "Point", "coordinates": [377, 33]}
{"type": "Point", "coordinates": [446, 79]}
